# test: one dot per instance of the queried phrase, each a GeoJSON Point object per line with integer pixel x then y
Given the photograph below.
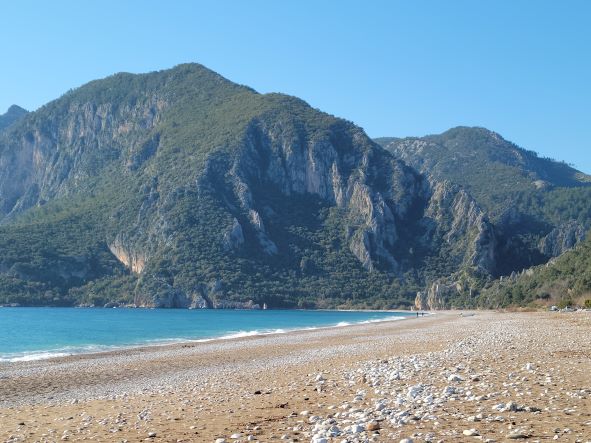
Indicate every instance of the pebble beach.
{"type": "Point", "coordinates": [482, 376]}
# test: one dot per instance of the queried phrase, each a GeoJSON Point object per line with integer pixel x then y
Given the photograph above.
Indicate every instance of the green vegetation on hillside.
{"type": "Point", "coordinates": [494, 171]}
{"type": "Point", "coordinates": [159, 167]}
{"type": "Point", "coordinates": [565, 280]}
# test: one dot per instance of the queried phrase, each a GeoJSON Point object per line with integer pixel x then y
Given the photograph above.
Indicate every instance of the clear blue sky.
{"type": "Point", "coordinates": [521, 68]}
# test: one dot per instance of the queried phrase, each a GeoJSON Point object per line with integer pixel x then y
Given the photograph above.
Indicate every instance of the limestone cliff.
{"type": "Point", "coordinates": [466, 226]}
{"type": "Point", "coordinates": [349, 172]}
{"type": "Point", "coordinates": [562, 238]}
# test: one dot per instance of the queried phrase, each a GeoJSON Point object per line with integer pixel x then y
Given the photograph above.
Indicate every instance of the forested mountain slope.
{"type": "Point", "coordinates": [539, 207]}
{"type": "Point", "coordinates": [179, 188]}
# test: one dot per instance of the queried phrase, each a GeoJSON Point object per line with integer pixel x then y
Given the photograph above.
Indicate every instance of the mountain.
{"type": "Point", "coordinates": [538, 208]}
{"type": "Point", "coordinates": [476, 157]}
{"type": "Point", "coordinates": [181, 188]}
{"type": "Point", "coordinates": [516, 188]}
{"type": "Point", "coordinates": [11, 116]}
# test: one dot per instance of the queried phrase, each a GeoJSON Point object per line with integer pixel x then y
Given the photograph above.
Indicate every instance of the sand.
{"type": "Point", "coordinates": [496, 376]}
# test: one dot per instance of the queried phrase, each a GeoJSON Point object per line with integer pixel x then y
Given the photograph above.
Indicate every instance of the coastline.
{"type": "Point", "coordinates": [99, 348]}
{"type": "Point", "coordinates": [262, 385]}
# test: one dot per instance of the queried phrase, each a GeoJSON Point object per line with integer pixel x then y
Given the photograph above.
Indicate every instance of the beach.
{"type": "Point", "coordinates": [445, 377]}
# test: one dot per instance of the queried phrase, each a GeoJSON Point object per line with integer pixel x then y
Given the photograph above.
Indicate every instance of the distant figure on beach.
{"type": "Point", "coordinates": [417, 315]}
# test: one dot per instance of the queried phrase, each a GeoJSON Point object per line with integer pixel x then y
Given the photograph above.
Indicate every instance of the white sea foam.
{"type": "Point", "coordinates": [90, 349]}
{"type": "Point", "coordinates": [34, 356]}
{"type": "Point", "coordinates": [55, 353]}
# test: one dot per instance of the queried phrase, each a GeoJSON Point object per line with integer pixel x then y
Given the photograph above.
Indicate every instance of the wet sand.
{"type": "Point", "coordinates": [495, 376]}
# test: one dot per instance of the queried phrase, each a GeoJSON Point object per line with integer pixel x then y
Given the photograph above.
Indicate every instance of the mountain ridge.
{"type": "Point", "coordinates": [179, 188]}
{"type": "Point", "coordinates": [11, 116]}
{"type": "Point", "coordinates": [539, 208]}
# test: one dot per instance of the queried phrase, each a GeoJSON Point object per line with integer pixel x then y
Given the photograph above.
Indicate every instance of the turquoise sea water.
{"type": "Point", "coordinates": [37, 333]}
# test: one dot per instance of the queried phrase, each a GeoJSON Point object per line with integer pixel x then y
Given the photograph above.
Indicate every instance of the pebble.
{"type": "Point", "coordinates": [372, 426]}
{"type": "Point", "coordinates": [421, 394]}
{"type": "Point", "coordinates": [398, 402]}
{"type": "Point", "coordinates": [518, 434]}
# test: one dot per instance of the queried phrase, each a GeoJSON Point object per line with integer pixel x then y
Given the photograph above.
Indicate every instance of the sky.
{"type": "Point", "coordinates": [396, 68]}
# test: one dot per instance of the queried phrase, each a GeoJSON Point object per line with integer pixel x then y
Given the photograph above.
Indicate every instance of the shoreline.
{"type": "Point", "coordinates": [361, 378]}
{"type": "Point", "coordinates": [174, 344]}
{"type": "Point", "coordinates": [63, 352]}
{"type": "Point", "coordinates": [186, 351]}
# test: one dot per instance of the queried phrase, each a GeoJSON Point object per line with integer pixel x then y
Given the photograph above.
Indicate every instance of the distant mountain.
{"type": "Point", "coordinates": [474, 158]}
{"type": "Point", "coordinates": [11, 116]}
{"type": "Point", "coordinates": [539, 208]}
{"type": "Point", "coordinates": [179, 188]}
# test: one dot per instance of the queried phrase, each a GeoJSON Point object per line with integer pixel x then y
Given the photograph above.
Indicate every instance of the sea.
{"type": "Point", "coordinates": [28, 334]}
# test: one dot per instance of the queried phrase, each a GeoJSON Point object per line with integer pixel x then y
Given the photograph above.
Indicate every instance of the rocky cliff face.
{"type": "Point", "coordinates": [465, 225]}
{"type": "Point", "coordinates": [345, 170]}
{"type": "Point", "coordinates": [562, 238]}
{"type": "Point", "coordinates": [438, 296]}
{"type": "Point", "coordinates": [42, 159]}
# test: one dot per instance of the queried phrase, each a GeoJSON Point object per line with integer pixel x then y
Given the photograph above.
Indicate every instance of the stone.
{"type": "Point", "coordinates": [499, 407]}
{"type": "Point", "coordinates": [517, 434]}
{"type": "Point", "coordinates": [151, 434]}
{"type": "Point", "coordinates": [372, 426]}
{"type": "Point", "coordinates": [470, 432]}
{"type": "Point", "coordinates": [512, 406]}
{"type": "Point", "coordinates": [357, 428]}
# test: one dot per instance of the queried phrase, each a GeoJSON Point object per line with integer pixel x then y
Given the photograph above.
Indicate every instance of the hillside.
{"type": "Point", "coordinates": [12, 115]}
{"type": "Point", "coordinates": [180, 188]}
{"type": "Point", "coordinates": [563, 281]}
{"type": "Point", "coordinates": [539, 207]}
{"type": "Point", "coordinates": [476, 157]}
